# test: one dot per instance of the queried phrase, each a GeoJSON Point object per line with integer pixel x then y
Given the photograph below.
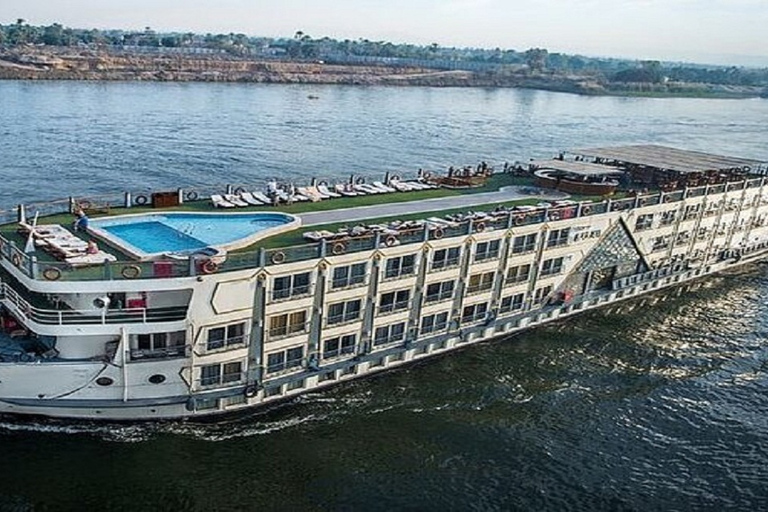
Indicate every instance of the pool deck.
{"type": "Point", "coordinates": [504, 194]}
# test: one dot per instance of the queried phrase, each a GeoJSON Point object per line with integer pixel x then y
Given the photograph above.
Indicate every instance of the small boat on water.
{"type": "Point", "coordinates": [195, 307]}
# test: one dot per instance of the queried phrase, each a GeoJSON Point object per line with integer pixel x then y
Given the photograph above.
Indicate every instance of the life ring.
{"type": "Point", "coordinates": [394, 177]}
{"type": "Point", "coordinates": [519, 219]}
{"type": "Point", "coordinates": [131, 271]}
{"type": "Point", "coordinates": [239, 190]}
{"type": "Point", "coordinates": [251, 391]}
{"type": "Point", "coordinates": [209, 267]}
{"type": "Point", "coordinates": [191, 196]}
{"type": "Point", "coordinates": [586, 210]}
{"type": "Point", "coordinates": [554, 215]}
{"type": "Point", "coordinates": [278, 257]}
{"type": "Point", "coordinates": [16, 259]}
{"type": "Point", "coordinates": [360, 180]}
{"type": "Point", "coordinates": [667, 199]}
{"type": "Point", "coordinates": [51, 273]}
{"type": "Point", "coordinates": [141, 200]}
{"type": "Point", "coordinates": [322, 183]}
{"type": "Point", "coordinates": [438, 233]}
{"type": "Point", "coordinates": [84, 205]}
{"type": "Point", "coordinates": [338, 248]}
{"type": "Point", "coordinates": [426, 175]}
{"type": "Point", "coordinates": [641, 201]}
{"type": "Point", "coordinates": [480, 227]}
{"type": "Point", "coordinates": [390, 241]}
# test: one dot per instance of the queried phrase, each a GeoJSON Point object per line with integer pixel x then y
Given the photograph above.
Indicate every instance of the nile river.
{"type": "Point", "coordinates": [661, 407]}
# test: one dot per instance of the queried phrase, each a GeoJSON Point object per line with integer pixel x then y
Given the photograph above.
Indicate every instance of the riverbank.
{"type": "Point", "coordinates": [65, 63]}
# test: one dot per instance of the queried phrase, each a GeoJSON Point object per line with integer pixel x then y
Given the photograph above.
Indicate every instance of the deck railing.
{"type": "Point", "coordinates": [11, 298]}
{"type": "Point", "coordinates": [266, 257]}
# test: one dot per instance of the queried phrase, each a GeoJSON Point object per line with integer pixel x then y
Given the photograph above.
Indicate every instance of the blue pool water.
{"type": "Point", "coordinates": [179, 232]}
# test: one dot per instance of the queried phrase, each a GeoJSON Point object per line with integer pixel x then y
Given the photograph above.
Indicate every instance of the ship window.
{"type": "Point", "coordinates": [512, 303]}
{"type": "Point", "coordinates": [518, 274]}
{"type": "Point", "coordinates": [439, 291]}
{"type": "Point", "coordinates": [434, 323]}
{"type": "Point", "coordinates": [394, 301]}
{"type": "Point", "coordinates": [288, 323]}
{"type": "Point", "coordinates": [341, 312]}
{"type": "Point", "coordinates": [524, 243]}
{"type": "Point", "coordinates": [213, 374]}
{"type": "Point", "coordinates": [104, 381]}
{"type": "Point", "coordinates": [285, 359]}
{"type": "Point", "coordinates": [474, 312]}
{"type": "Point", "coordinates": [349, 275]}
{"type": "Point", "coordinates": [487, 250]}
{"type": "Point", "coordinates": [226, 336]}
{"type": "Point", "coordinates": [541, 294]}
{"type": "Point", "coordinates": [445, 258]}
{"type": "Point", "coordinates": [668, 217]}
{"type": "Point", "coordinates": [389, 334]}
{"type": "Point", "coordinates": [400, 266]}
{"type": "Point", "coordinates": [558, 237]}
{"type": "Point", "coordinates": [338, 346]}
{"type": "Point", "coordinates": [160, 344]}
{"type": "Point", "coordinates": [291, 286]}
{"type": "Point", "coordinates": [644, 222]}
{"type": "Point", "coordinates": [480, 282]}
{"type": "Point", "coordinates": [551, 267]}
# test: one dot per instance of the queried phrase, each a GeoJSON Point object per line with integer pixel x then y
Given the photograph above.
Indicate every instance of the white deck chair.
{"type": "Point", "coordinates": [341, 189]}
{"type": "Point", "coordinates": [235, 200]}
{"type": "Point", "coordinates": [220, 202]}
{"type": "Point", "coordinates": [382, 186]}
{"type": "Point", "coordinates": [261, 196]}
{"type": "Point", "coordinates": [248, 198]}
{"type": "Point", "coordinates": [325, 191]}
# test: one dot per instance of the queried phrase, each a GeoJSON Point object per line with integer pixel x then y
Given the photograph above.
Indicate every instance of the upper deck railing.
{"type": "Point", "coordinates": [29, 266]}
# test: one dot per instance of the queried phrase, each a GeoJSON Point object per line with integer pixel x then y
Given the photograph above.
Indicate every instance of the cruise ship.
{"type": "Point", "coordinates": [180, 304]}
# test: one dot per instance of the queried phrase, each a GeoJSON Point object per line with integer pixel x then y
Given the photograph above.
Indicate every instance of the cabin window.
{"type": "Point", "coordinates": [541, 294]}
{"type": "Point", "coordinates": [474, 312]}
{"type": "Point", "coordinates": [342, 312]}
{"type": "Point", "coordinates": [524, 243]}
{"type": "Point", "coordinates": [226, 336]}
{"type": "Point", "coordinates": [288, 323]}
{"type": "Point", "coordinates": [285, 359]}
{"type": "Point", "coordinates": [439, 291]}
{"type": "Point", "coordinates": [692, 211]}
{"type": "Point", "coordinates": [551, 267]}
{"type": "Point", "coordinates": [434, 323]}
{"type": "Point", "coordinates": [683, 238]}
{"type": "Point", "coordinates": [389, 334]}
{"type": "Point", "coordinates": [512, 303]}
{"type": "Point", "coordinates": [400, 266]}
{"type": "Point", "coordinates": [394, 301]}
{"type": "Point", "coordinates": [558, 237]}
{"type": "Point", "coordinates": [644, 222]}
{"type": "Point", "coordinates": [291, 286]}
{"type": "Point", "coordinates": [160, 344]}
{"type": "Point", "coordinates": [667, 217]}
{"type": "Point", "coordinates": [481, 282]}
{"type": "Point", "coordinates": [660, 243]}
{"type": "Point", "coordinates": [339, 346]}
{"type": "Point", "coordinates": [446, 258]}
{"type": "Point", "coordinates": [349, 275]}
{"type": "Point", "coordinates": [487, 250]}
{"type": "Point", "coordinates": [225, 373]}
{"type": "Point", "coordinates": [518, 274]}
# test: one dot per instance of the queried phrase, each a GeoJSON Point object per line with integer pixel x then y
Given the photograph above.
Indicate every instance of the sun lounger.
{"type": "Point", "coordinates": [248, 198]}
{"type": "Point", "coordinates": [261, 196]}
{"type": "Point", "coordinates": [344, 191]}
{"type": "Point", "coordinates": [324, 190]}
{"type": "Point", "coordinates": [382, 186]}
{"type": "Point", "coordinates": [220, 202]}
{"type": "Point", "coordinates": [368, 189]}
{"type": "Point", "coordinates": [235, 200]}
{"type": "Point", "coordinates": [90, 259]}
{"type": "Point", "coordinates": [401, 186]}
{"type": "Point", "coordinates": [311, 194]}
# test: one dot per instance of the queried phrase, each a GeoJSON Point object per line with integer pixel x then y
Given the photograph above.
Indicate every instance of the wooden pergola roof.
{"type": "Point", "coordinates": [671, 159]}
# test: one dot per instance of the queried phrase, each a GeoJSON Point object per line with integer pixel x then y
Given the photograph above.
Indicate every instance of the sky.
{"type": "Point", "coordinates": [703, 31]}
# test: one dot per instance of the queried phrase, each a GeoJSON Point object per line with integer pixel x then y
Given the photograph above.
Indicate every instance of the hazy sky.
{"type": "Point", "coordinates": [714, 31]}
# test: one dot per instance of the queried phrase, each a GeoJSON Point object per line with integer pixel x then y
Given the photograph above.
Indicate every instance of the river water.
{"type": "Point", "coordinates": [661, 407]}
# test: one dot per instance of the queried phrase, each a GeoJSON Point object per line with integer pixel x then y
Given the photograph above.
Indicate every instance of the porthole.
{"type": "Point", "coordinates": [157, 378]}
{"type": "Point", "coordinates": [104, 381]}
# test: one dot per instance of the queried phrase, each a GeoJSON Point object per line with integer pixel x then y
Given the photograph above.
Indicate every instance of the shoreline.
{"type": "Point", "coordinates": [80, 65]}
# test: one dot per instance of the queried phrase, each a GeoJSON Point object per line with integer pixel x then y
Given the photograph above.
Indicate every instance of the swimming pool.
{"type": "Point", "coordinates": [147, 235]}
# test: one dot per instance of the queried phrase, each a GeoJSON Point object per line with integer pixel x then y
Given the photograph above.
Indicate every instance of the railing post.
{"type": "Point", "coordinates": [127, 200]}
